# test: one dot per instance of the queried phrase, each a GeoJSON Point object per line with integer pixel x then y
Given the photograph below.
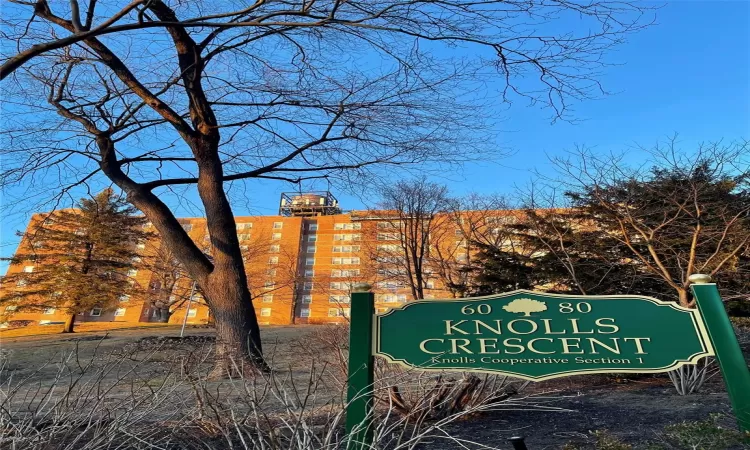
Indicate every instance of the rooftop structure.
{"type": "Point", "coordinates": [308, 204]}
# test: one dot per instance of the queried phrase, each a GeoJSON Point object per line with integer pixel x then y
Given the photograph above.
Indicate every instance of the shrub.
{"type": "Point", "coordinates": [738, 308]}
{"type": "Point", "coordinates": [710, 434]}
{"type": "Point", "coordinates": [741, 322]}
{"type": "Point", "coordinates": [410, 393]}
{"type": "Point", "coordinates": [157, 396]}
{"type": "Point", "coordinates": [604, 441]}
{"type": "Point", "coordinates": [19, 323]}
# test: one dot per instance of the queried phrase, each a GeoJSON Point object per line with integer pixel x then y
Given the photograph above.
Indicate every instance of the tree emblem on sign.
{"type": "Point", "coordinates": [525, 306]}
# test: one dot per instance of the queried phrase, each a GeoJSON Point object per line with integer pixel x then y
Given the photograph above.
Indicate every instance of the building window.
{"type": "Point", "coordinates": [347, 226]}
{"type": "Point", "coordinates": [268, 298]}
{"type": "Point", "coordinates": [338, 312]}
{"type": "Point", "coordinates": [119, 312]}
{"type": "Point", "coordinates": [430, 284]}
{"type": "Point", "coordinates": [141, 246]}
{"type": "Point", "coordinates": [308, 286]}
{"type": "Point", "coordinates": [347, 237]}
{"type": "Point", "coordinates": [389, 284]}
{"type": "Point", "coordinates": [276, 236]}
{"type": "Point", "coordinates": [459, 233]}
{"type": "Point", "coordinates": [345, 248]}
{"type": "Point", "coordinates": [187, 227]}
{"type": "Point", "coordinates": [271, 272]}
{"type": "Point", "coordinates": [22, 282]}
{"type": "Point", "coordinates": [96, 312]}
{"type": "Point", "coordinates": [341, 285]}
{"type": "Point", "coordinates": [309, 261]}
{"type": "Point", "coordinates": [124, 298]}
{"type": "Point", "coordinates": [304, 312]}
{"type": "Point", "coordinates": [312, 226]}
{"type": "Point", "coordinates": [192, 312]}
{"type": "Point", "coordinates": [244, 226]}
{"type": "Point", "coordinates": [392, 298]}
{"type": "Point", "coordinates": [461, 257]}
{"type": "Point", "coordinates": [269, 285]}
{"type": "Point", "coordinates": [307, 298]}
{"type": "Point", "coordinates": [275, 248]}
{"type": "Point", "coordinates": [278, 225]}
{"type": "Point", "coordinates": [265, 312]}
{"type": "Point", "coordinates": [336, 273]}
{"type": "Point", "coordinates": [244, 248]}
{"type": "Point", "coordinates": [28, 269]}
{"type": "Point", "coordinates": [338, 299]}
{"type": "Point", "coordinates": [243, 236]}
{"type": "Point", "coordinates": [11, 308]}
{"type": "Point", "coordinates": [312, 238]}
{"type": "Point", "coordinates": [383, 225]}
{"type": "Point", "coordinates": [388, 248]}
{"type": "Point", "coordinates": [353, 260]}
{"type": "Point", "coordinates": [388, 298]}
{"type": "Point", "coordinates": [311, 249]}
{"type": "Point", "coordinates": [148, 225]}
{"type": "Point", "coordinates": [132, 272]}
{"type": "Point", "coordinates": [273, 260]}
{"type": "Point", "coordinates": [390, 259]}
{"type": "Point", "coordinates": [387, 236]}
{"type": "Point", "coordinates": [309, 273]}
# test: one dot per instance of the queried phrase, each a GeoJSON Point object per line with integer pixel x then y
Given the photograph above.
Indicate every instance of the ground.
{"type": "Point", "coordinates": [548, 414]}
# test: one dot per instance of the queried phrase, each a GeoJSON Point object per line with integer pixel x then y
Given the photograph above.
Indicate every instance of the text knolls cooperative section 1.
{"type": "Point", "coordinates": [541, 335]}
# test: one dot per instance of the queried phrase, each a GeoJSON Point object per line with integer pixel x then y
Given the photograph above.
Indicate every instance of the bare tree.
{"type": "Point", "coordinates": [271, 90]}
{"type": "Point", "coordinates": [410, 212]}
{"type": "Point", "coordinates": [170, 284]}
{"type": "Point", "coordinates": [475, 222]}
{"type": "Point", "coordinates": [651, 228]}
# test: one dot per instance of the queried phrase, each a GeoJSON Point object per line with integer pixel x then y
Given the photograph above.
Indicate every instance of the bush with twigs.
{"type": "Point", "coordinates": [146, 397]}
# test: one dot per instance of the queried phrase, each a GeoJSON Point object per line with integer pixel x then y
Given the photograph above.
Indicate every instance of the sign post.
{"type": "Point", "coordinates": [728, 351]}
{"type": "Point", "coordinates": [361, 378]}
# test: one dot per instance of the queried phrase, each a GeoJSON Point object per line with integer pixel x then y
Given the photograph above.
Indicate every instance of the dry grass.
{"type": "Point", "coordinates": [150, 396]}
{"type": "Point", "coordinates": [84, 327]}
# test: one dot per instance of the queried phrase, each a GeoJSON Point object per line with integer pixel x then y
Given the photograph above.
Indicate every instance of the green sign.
{"type": "Point", "coordinates": [539, 336]}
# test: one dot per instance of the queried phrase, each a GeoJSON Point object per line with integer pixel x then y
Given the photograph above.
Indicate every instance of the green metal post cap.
{"type": "Point", "coordinates": [699, 278]}
{"type": "Point", "coordinates": [361, 287]}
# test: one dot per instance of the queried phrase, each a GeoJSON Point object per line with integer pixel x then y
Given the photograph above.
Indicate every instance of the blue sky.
{"type": "Point", "coordinates": [689, 74]}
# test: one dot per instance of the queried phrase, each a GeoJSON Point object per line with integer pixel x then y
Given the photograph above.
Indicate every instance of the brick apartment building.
{"type": "Point", "coordinates": [300, 264]}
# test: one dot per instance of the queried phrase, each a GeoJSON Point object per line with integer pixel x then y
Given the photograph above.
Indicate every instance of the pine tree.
{"type": "Point", "coordinates": [81, 258]}
{"type": "Point", "coordinates": [494, 270]}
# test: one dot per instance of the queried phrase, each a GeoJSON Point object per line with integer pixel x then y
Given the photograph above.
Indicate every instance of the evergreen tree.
{"type": "Point", "coordinates": [494, 271]}
{"type": "Point", "coordinates": [646, 231]}
{"type": "Point", "coordinates": [638, 232]}
{"type": "Point", "coordinates": [80, 258]}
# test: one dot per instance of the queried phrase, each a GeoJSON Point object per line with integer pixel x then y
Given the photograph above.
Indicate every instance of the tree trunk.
{"type": "Point", "coordinates": [69, 323]}
{"type": "Point", "coordinates": [684, 298]}
{"type": "Point", "coordinates": [238, 346]}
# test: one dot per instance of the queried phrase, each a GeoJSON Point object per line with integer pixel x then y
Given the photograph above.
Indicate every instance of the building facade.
{"type": "Point", "coordinates": [302, 263]}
